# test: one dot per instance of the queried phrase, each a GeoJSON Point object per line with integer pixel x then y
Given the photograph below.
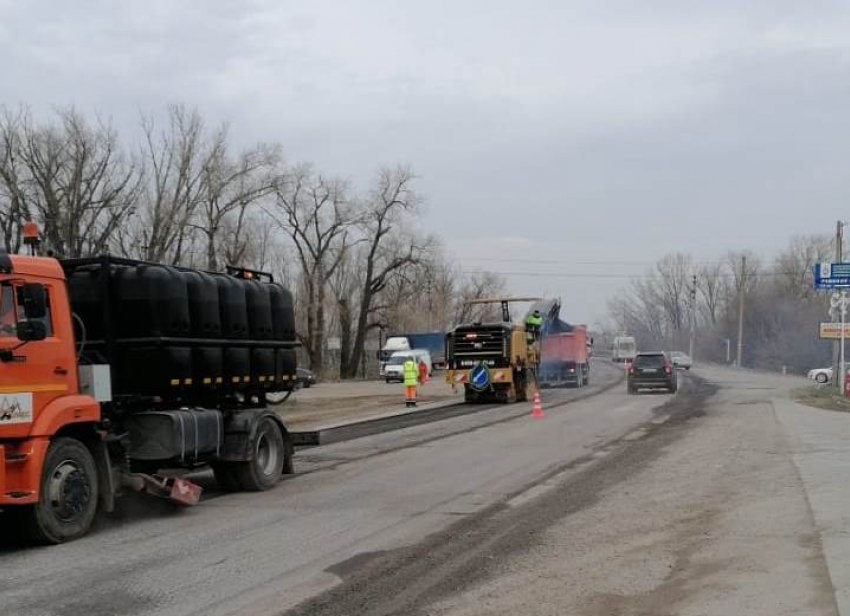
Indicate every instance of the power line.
{"type": "Point", "coordinates": [614, 276]}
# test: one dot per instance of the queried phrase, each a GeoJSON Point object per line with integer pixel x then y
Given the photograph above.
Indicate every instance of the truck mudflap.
{"type": "Point", "coordinates": [175, 489]}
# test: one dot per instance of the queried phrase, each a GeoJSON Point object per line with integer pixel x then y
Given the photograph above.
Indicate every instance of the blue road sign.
{"type": "Point", "coordinates": [832, 275]}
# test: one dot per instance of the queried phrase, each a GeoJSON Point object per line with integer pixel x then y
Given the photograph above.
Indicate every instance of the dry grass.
{"type": "Point", "coordinates": [822, 397]}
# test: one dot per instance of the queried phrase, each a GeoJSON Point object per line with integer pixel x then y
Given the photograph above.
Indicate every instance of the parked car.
{"type": "Point", "coordinates": [652, 370]}
{"type": "Point", "coordinates": [681, 360]}
{"type": "Point", "coordinates": [394, 370]}
{"type": "Point", "coordinates": [821, 375]}
{"type": "Point", "coordinates": [304, 378]}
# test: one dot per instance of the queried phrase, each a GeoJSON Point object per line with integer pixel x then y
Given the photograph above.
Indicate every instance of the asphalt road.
{"type": "Point", "coordinates": [612, 504]}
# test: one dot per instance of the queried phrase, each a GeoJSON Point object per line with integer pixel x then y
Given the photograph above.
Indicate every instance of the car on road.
{"type": "Point", "coordinates": [394, 370]}
{"type": "Point", "coordinates": [652, 370]}
{"type": "Point", "coordinates": [304, 378]}
{"type": "Point", "coordinates": [821, 375]}
{"type": "Point", "coordinates": [681, 360]}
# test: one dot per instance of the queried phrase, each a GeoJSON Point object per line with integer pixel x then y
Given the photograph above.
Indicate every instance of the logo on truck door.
{"type": "Point", "coordinates": [15, 408]}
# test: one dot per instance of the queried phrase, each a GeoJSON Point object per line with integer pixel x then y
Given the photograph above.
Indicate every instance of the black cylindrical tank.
{"type": "Point", "coordinates": [262, 368]}
{"type": "Point", "coordinates": [204, 312]}
{"type": "Point", "coordinates": [85, 291]}
{"type": "Point", "coordinates": [237, 368]}
{"type": "Point", "coordinates": [208, 368]}
{"type": "Point", "coordinates": [232, 307]}
{"type": "Point", "coordinates": [165, 372]}
{"type": "Point", "coordinates": [284, 365]}
{"type": "Point", "coordinates": [283, 316]}
{"type": "Point", "coordinates": [151, 301]}
{"type": "Point", "coordinates": [259, 305]}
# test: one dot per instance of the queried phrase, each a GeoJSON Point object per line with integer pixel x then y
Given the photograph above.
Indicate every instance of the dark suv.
{"type": "Point", "coordinates": [652, 370]}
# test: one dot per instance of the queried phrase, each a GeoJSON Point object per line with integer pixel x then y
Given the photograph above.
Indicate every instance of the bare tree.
{"type": "Point", "coordinates": [672, 289]}
{"type": "Point", "coordinates": [385, 251]}
{"type": "Point", "coordinates": [231, 189]}
{"type": "Point", "coordinates": [478, 285]}
{"type": "Point", "coordinates": [14, 198]}
{"type": "Point", "coordinates": [793, 267]}
{"type": "Point", "coordinates": [317, 213]}
{"type": "Point", "coordinates": [85, 187]}
{"type": "Point", "coordinates": [175, 159]}
{"type": "Point", "coordinates": [712, 287]}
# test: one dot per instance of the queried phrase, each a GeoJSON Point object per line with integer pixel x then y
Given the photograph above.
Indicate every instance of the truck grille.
{"type": "Point", "coordinates": [478, 342]}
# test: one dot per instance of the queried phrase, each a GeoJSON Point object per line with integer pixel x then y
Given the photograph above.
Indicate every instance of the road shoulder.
{"type": "Point", "coordinates": [820, 442]}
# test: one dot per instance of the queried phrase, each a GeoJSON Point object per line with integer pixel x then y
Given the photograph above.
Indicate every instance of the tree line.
{"type": "Point", "coordinates": [782, 311]}
{"type": "Point", "coordinates": [183, 194]}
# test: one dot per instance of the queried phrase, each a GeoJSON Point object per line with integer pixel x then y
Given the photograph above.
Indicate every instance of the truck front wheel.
{"type": "Point", "coordinates": [266, 466]}
{"type": "Point", "coordinates": [68, 496]}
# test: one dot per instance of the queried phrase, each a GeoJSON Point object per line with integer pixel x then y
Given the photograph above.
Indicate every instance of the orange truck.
{"type": "Point", "coordinates": [564, 356]}
{"type": "Point", "coordinates": [120, 375]}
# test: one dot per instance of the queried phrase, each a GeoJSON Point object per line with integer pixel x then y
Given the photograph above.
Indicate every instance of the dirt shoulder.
{"type": "Point", "coordinates": [821, 397]}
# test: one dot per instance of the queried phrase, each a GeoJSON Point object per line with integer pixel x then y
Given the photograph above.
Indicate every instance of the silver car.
{"type": "Point", "coordinates": [821, 375]}
{"type": "Point", "coordinates": [681, 361]}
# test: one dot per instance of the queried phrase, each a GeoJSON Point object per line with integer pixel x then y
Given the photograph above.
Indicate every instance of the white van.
{"type": "Point", "coordinates": [624, 349]}
{"type": "Point", "coordinates": [394, 370]}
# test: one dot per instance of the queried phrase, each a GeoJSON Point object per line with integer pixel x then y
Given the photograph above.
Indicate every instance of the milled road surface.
{"type": "Point", "coordinates": [614, 504]}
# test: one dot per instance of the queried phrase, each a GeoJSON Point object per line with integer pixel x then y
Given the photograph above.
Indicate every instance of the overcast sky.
{"type": "Point", "coordinates": [592, 135]}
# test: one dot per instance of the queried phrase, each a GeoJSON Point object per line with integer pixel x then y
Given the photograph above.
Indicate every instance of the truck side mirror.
{"type": "Point", "coordinates": [31, 331]}
{"type": "Point", "coordinates": [33, 299]}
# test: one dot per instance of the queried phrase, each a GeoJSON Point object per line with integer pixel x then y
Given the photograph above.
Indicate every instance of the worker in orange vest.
{"type": "Point", "coordinates": [411, 380]}
{"type": "Point", "coordinates": [423, 372]}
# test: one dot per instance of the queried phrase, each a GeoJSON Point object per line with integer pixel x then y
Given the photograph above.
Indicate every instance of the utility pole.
{"type": "Point", "coordinates": [837, 345]}
{"type": "Point", "coordinates": [741, 292]}
{"type": "Point", "coordinates": [693, 317]}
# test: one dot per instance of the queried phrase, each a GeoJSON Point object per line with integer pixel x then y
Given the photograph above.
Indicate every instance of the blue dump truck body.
{"type": "Point", "coordinates": [433, 342]}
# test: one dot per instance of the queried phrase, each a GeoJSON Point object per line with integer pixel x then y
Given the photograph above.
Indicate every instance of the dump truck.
{"type": "Point", "coordinates": [564, 356]}
{"type": "Point", "coordinates": [565, 349]}
{"type": "Point", "coordinates": [122, 375]}
{"type": "Point", "coordinates": [494, 361]}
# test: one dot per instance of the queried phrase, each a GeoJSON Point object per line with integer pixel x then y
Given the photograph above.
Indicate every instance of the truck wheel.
{"type": "Point", "coordinates": [68, 496]}
{"type": "Point", "coordinates": [263, 471]}
{"type": "Point", "coordinates": [225, 476]}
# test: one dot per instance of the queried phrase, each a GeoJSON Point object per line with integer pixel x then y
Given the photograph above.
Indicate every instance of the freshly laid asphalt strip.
{"type": "Point", "coordinates": [409, 579]}
{"type": "Point", "coordinates": [357, 429]}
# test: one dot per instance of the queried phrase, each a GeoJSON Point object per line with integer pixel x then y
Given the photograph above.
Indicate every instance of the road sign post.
{"type": "Point", "coordinates": [839, 303]}
{"type": "Point", "coordinates": [835, 276]}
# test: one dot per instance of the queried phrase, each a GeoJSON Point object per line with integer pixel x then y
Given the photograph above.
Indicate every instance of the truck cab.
{"type": "Point", "coordinates": [40, 401]}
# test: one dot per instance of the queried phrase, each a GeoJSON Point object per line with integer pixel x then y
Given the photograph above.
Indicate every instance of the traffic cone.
{"type": "Point", "coordinates": [537, 409]}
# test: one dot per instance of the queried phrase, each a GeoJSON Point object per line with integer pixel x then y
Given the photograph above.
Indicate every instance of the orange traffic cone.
{"type": "Point", "coordinates": [537, 409]}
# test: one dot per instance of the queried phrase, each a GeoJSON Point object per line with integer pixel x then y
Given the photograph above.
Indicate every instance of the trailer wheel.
{"type": "Point", "coordinates": [68, 496]}
{"type": "Point", "coordinates": [264, 469]}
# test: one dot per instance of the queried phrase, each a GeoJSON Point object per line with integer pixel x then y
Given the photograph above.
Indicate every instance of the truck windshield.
{"type": "Point", "coordinates": [397, 361]}
{"type": "Point", "coordinates": [8, 318]}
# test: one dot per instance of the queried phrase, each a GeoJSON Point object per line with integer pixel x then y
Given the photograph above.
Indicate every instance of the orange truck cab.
{"type": "Point", "coordinates": [74, 433]}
